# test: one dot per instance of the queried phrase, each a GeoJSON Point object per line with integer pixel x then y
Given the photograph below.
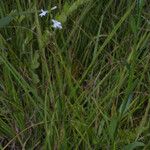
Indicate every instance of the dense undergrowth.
{"type": "Point", "coordinates": [86, 86]}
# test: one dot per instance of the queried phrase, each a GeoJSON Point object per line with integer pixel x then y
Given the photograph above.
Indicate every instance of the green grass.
{"type": "Point", "coordinates": [86, 86]}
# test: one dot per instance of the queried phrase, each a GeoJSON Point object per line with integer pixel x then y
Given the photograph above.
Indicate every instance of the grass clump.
{"type": "Point", "coordinates": [85, 86]}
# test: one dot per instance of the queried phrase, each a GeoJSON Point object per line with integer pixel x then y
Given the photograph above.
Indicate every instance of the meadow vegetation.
{"type": "Point", "coordinates": [85, 86]}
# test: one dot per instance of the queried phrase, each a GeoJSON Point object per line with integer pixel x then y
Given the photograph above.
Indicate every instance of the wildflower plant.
{"type": "Point", "coordinates": [43, 13]}
{"type": "Point", "coordinates": [56, 24]}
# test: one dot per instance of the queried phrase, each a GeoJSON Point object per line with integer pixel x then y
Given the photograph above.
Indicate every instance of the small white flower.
{"type": "Point", "coordinates": [53, 8]}
{"type": "Point", "coordinates": [56, 24]}
{"type": "Point", "coordinates": [9, 39]}
{"type": "Point", "coordinates": [43, 13]}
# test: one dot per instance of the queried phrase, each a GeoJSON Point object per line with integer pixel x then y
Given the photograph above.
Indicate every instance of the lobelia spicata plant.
{"type": "Point", "coordinates": [43, 13]}
{"type": "Point", "coordinates": [56, 24]}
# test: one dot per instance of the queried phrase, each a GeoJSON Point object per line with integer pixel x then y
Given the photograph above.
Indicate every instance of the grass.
{"type": "Point", "coordinates": [83, 87]}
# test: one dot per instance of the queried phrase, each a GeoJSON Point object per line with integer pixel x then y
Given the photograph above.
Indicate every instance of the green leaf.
{"type": "Point", "coordinates": [69, 9]}
{"type": "Point", "coordinates": [133, 25]}
{"type": "Point", "coordinates": [5, 21]}
{"type": "Point", "coordinates": [125, 105]}
{"type": "Point", "coordinates": [101, 127]}
{"type": "Point", "coordinates": [133, 145]}
{"type": "Point", "coordinates": [35, 77]}
{"type": "Point", "coordinates": [35, 64]}
{"type": "Point", "coordinates": [113, 127]}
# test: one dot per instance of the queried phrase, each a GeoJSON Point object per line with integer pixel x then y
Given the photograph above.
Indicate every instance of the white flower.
{"type": "Point", "coordinates": [53, 8]}
{"type": "Point", "coordinates": [56, 24]}
{"type": "Point", "coordinates": [9, 39]}
{"type": "Point", "coordinates": [43, 13]}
